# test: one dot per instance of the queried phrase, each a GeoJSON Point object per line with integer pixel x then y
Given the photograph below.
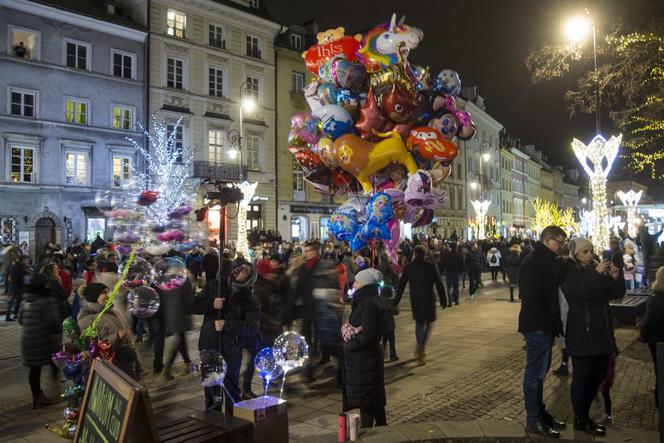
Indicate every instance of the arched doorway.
{"type": "Point", "coordinates": [44, 233]}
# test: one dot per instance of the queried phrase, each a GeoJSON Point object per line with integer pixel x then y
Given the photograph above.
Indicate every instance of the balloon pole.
{"type": "Point", "coordinates": [267, 384]}
{"type": "Point", "coordinates": [283, 381]}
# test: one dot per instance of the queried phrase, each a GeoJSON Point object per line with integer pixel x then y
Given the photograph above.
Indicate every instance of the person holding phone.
{"type": "Point", "coordinates": [588, 286]}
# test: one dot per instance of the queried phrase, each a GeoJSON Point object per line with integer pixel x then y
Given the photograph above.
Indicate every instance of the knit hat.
{"type": "Point", "coordinates": [368, 276]}
{"type": "Point", "coordinates": [658, 285]}
{"type": "Point", "coordinates": [93, 291]}
{"type": "Point", "coordinates": [577, 244]}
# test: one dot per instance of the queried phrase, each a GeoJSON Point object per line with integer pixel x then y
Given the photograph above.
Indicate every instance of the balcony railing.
{"type": "Point", "coordinates": [219, 171]}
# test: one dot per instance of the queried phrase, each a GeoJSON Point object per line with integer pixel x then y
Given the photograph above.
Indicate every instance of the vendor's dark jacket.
{"type": "Point", "coordinates": [540, 275]}
{"type": "Point", "coordinates": [589, 326]}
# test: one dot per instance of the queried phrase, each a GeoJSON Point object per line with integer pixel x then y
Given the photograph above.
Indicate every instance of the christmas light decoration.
{"type": "Point", "coordinates": [166, 171]}
{"type": "Point", "coordinates": [601, 155]}
{"type": "Point", "coordinates": [617, 224]}
{"type": "Point", "coordinates": [549, 214]}
{"type": "Point", "coordinates": [248, 191]}
{"type": "Point", "coordinates": [481, 208]}
{"type": "Point", "coordinates": [587, 221]}
{"type": "Point", "coordinates": [630, 199]}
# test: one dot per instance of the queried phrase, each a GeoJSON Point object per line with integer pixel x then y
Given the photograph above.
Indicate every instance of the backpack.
{"type": "Point", "coordinates": [493, 259]}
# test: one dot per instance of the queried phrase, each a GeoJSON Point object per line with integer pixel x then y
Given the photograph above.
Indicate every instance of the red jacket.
{"type": "Point", "coordinates": [65, 278]}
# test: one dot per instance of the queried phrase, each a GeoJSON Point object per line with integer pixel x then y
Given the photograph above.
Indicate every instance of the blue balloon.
{"type": "Point", "coordinates": [267, 365]}
{"type": "Point", "coordinates": [335, 120]}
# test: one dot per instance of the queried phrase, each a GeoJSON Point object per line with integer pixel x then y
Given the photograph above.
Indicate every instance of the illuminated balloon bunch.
{"type": "Point", "coordinates": [75, 361]}
{"type": "Point", "coordinates": [289, 351]}
{"type": "Point", "coordinates": [380, 129]}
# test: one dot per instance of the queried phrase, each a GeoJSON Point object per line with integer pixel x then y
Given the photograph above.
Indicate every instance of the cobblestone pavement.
{"type": "Point", "coordinates": [474, 370]}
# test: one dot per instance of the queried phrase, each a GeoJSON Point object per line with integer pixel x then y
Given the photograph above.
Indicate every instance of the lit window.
{"type": "Point", "coordinates": [76, 111]}
{"type": "Point", "coordinates": [216, 145]}
{"type": "Point", "coordinates": [22, 164]}
{"type": "Point", "coordinates": [121, 170]}
{"type": "Point", "coordinates": [123, 118]}
{"type": "Point", "coordinates": [76, 168]}
{"type": "Point", "coordinates": [77, 55]}
{"type": "Point", "coordinates": [123, 64]}
{"type": "Point", "coordinates": [176, 23]}
{"type": "Point", "coordinates": [174, 73]}
{"type": "Point", "coordinates": [216, 36]}
{"type": "Point", "coordinates": [216, 82]}
{"type": "Point", "coordinates": [253, 152]}
{"type": "Point", "coordinates": [25, 43]}
{"type": "Point", "coordinates": [253, 49]}
{"type": "Point", "coordinates": [298, 82]}
{"type": "Point", "coordinates": [23, 102]}
{"type": "Point", "coordinates": [296, 42]}
{"type": "Point", "coordinates": [298, 177]}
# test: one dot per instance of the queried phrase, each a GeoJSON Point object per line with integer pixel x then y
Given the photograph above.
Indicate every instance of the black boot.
{"type": "Point", "coordinates": [585, 424]}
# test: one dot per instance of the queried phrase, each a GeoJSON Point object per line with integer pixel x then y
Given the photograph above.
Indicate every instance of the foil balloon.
{"type": "Point", "coordinates": [330, 43]}
{"type": "Point", "coordinates": [74, 393]}
{"type": "Point", "coordinates": [73, 371]}
{"type": "Point", "coordinates": [70, 328]}
{"type": "Point", "coordinates": [147, 198]}
{"type": "Point", "coordinates": [290, 350]}
{"type": "Point", "coordinates": [325, 150]}
{"type": "Point", "coordinates": [106, 350]}
{"type": "Point", "coordinates": [295, 140]}
{"type": "Point", "coordinates": [70, 414]}
{"type": "Point", "coordinates": [378, 213]}
{"type": "Point", "coordinates": [311, 95]}
{"type": "Point", "coordinates": [429, 144]}
{"type": "Point", "coordinates": [327, 94]}
{"type": "Point", "coordinates": [388, 43]}
{"type": "Point", "coordinates": [321, 181]}
{"type": "Point", "coordinates": [180, 212]}
{"type": "Point", "coordinates": [267, 366]}
{"type": "Point", "coordinates": [143, 302]}
{"type": "Point", "coordinates": [343, 74]}
{"type": "Point", "coordinates": [466, 132]}
{"type": "Point", "coordinates": [212, 368]}
{"type": "Point", "coordinates": [446, 123]}
{"type": "Point", "coordinates": [306, 127]}
{"type": "Point", "coordinates": [399, 104]}
{"type": "Point", "coordinates": [335, 120]}
{"type": "Point", "coordinates": [349, 100]}
{"type": "Point", "coordinates": [61, 358]}
{"type": "Point", "coordinates": [463, 118]}
{"type": "Point", "coordinates": [362, 159]}
{"type": "Point", "coordinates": [447, 82]}
{"type": "Point", "coordinates": [343, 225]}
{"type": "Point", "coordinates": [170, 235]}
{"type": "Point", "coordinates": [169, 273]}
{"type": "Point", "coordinates": [140, 273]}
{"type": "Point", "coordinates": [308, 160]}
{"type": "Point", "coordinates": [418, 190]}
{"type": "Point", "coordinates": [440, 173]}
{"type": "Point", "coordinates": [371, 117]}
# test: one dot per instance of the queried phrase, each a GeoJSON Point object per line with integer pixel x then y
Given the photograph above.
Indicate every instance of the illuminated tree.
{"type": "Point", "coordinates": [549, 214]}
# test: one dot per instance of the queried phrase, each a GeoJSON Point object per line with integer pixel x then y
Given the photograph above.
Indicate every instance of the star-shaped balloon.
{"type": "Point", "coordinates": [371, 117]}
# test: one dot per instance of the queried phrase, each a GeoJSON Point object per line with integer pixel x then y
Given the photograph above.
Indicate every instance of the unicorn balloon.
{"type": "Point", "coordinates": [388, 43]}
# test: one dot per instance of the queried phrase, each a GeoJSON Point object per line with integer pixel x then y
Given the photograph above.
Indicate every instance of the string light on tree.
{"type": "Point", "coordinates": [481, 208]}
{"type": "Point", "coordinates": [248, 191]}
{"type": "Point", "coordinates": [596, 158]}
{"type": "Point", "coordinates": [617, 224]}
{"type": "Point", "coordinates": [630, 199]}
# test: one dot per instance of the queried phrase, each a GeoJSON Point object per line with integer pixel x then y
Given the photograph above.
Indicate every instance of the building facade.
{"type": "Point", "coordinates": [507, 219]}
{"type": "Point", "coordinates": [205, 58]}
{"type": "Point", "coordinates": [533, 189]}
{"type": "Point", "coordinates": [63, 134]}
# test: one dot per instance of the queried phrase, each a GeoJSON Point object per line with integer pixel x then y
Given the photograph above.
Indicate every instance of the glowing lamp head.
{"type": "Point", "coordinates": [233, 153]}
{"type": "Point", "coordinates": [248, 103]}
{"type": "Point", "coordinates": [577, 29]}
{"type": "Point", "coordinates": [473, 185]}
{"type": "Point", "coordinates": [584, 200]}
{"type": "Point", "coordinates": [486, 156]}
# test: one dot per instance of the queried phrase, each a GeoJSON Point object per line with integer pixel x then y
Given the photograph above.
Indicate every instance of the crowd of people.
{"type": "Point", "coordinates": [246, 302]}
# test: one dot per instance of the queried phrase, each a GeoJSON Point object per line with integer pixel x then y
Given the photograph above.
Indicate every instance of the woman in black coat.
{"type": "Point", "coordinates": [41, 319]}
{"type": "Point", "coordinates": [364, 384]}
{"type": "Point", "coordinates": [513, 265]}
{"type": "Point", "coordinates": [422, 276]}
{"type": "Point", "coordinates": [177, 306]}
{"type": "Point", "coordinates": [652, 327]}
{"type": "Point", "coordinates": [588, 287]}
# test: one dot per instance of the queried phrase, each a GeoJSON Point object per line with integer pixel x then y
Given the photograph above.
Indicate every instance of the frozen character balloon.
{"type": "Point", "coordinates": [388, 43]}
{"type": "Point", "coordinates": [448, 82]}
{"type": "Point", "coordinates": [379, 213]}
{"type": "Point", "coordinates": [430, 144]}
{"type": "Point", "coordinates": [335, 120]}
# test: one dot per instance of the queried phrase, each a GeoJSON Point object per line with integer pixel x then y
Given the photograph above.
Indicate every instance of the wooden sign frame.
{"type": "Point", "coordinates": [138, 424]}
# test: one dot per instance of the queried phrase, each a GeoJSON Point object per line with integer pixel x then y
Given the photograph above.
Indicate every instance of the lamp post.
{"type": "Point", "coordinates": [630, 199]}
{"type": "Point", "coordinates": [576, 30]}
{"type": "Point", "coordinates": [235, 137]}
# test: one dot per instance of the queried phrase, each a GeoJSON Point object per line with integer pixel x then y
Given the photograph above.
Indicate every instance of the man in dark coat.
{"type": "Point", "coordinates": [177, 307]}
{"type": "Point", "coordinates": [452, 267]}
{"type": "Point", "coordinates": [540, 322]}
{"type": "Point", "coordinates": [475, 261]}
{"type": "Point", "coordinates": [422, 277]}
{"type": "Point", "coordinates": [364, 381]}
{"type": "Point", "coordinates": [19, 270]}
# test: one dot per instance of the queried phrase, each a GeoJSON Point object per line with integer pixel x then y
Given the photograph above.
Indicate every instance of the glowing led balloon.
{"type": "Point", "coordinates": [267, 365]}
{"type": "Point", "coordinates": [169, 273]}
{"type": "Point", "coordinates": [290, 350]}
{"type": "Point", "coordinates": [143, 302]}
{"type": "Point", "coordinates": [140, 273]}
{"type": "Point", "coordinates": [212, 368]}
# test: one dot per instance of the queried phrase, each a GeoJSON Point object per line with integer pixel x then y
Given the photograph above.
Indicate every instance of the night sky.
{"type": "Point", "coordinates": [486, 41]}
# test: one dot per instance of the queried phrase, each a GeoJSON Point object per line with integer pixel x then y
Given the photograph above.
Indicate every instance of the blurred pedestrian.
{"type": "Point", "coordinates": [652, 326]}
{"type": "Point", "coordinates": [19, 271]}
{"type": "Point", "coordinates": [177, 306]}
{"type": "Point", "coordinates": [513, 265]}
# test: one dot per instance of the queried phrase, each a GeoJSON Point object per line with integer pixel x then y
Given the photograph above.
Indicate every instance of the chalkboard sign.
{"type": "Point", "coordinates": [115, 408]}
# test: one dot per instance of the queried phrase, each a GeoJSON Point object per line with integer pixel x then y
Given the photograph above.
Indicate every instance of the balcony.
{"type": "Point", "coordinates": [219, 171]}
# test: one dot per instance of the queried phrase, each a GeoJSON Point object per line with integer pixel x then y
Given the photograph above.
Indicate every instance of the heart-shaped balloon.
{"type": "Point", "coordinates": [308, 160]}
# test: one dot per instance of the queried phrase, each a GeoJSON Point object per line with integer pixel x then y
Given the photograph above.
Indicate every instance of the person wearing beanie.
{"type": "Point", "coordinates": [588, 286]}
{"type": "Point", "coordinates": [422, 276]}
{"type": "Point", "coordinates": [364, 381]}
{"type": "Point", "coordinates": [652, 326]}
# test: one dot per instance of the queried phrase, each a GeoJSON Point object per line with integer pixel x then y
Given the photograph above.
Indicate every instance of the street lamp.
{"type": "Point", "coordinates": [584, 200]}
{"type": "Point", "coordinates": [576, 30]}
{"type": "Point", "coordinates": [235, 137]}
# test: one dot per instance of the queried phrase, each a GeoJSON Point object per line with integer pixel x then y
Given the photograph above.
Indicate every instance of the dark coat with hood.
{"type": "Point", "coordinates": [323, 275]}
{"type": "Point", "coordinates": [589, 326]}
{"type": "Point", "coordinates": [209, 338]}
{"type": "Point", "coordinates": [652, 327]}
{"type": "Point", "coordinates": [422, 277]}
{"type": "Point", "coordinates": [539, 278]}
{"type": "Point", "coordinates": [40, 316]}
{"type": "Point", "coordinates": [363, 354]}
{"type": "Point", "coordinates": [177, 306]}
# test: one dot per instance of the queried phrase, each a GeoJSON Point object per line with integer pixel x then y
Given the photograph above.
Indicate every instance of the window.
{"type": "Point", "coordinates": [96, 226]}
{"type": "Point", "coordinates": [123, 64]}
{"type": "Point", "coordinates": [216, 82]}
{"type": "Point", "coordinates": [23, 102]}
{"type": "Point", "coordinates": [24, 43]}
{"type": "Point", "coordinates": [216, 36]}
{"type": "Point", "coordinates": [176, 23]}
{"type": "Point", "coordinates": [298, 182]}
{"type": "Point", "coordinates": [122, 166]}
{"type": "Point", "coordinates": [254, 4]}
{"type": "Point", "coordinates": [253, 49]}
{"type": "Point", "coordinates": [254, 217]}
{"type": "Point", "coordinates": [174, 73]}
{"type": "Point", "coordinates": [76, 168]}
{"type": "Point", "coordinates": [123, 117]}
{"type": "Point", "coordinates": [175, 136]}
{"type": "Point", "coordinates": [22, 164]}
{"type": "Point", "coordinates": [77, 55]}
{"type": "Point", "coordinates": [7, 230]}
{"type": "Point", "coordinates": [216, 145]}
{"type": "Point", "coordinates": [459, 170]}
{"type": "Point", "coordinates": [298, 82]}
{"type": "Point", "coordinates": [76, 111]}
{"type": "Point", "coordinates": [296, 42]}
{"type": "Point", "coordinates": [253, 152]}
{"type": "Point", "coordinates": [252, 87]}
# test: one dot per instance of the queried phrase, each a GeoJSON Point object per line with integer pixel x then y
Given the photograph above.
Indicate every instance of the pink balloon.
{"type": "Point", "coordinates": [371, 117]}
{"type": "Point", "coordinates": [306, 126]}
{"type": "Point", "coordinates": [463, 118]}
